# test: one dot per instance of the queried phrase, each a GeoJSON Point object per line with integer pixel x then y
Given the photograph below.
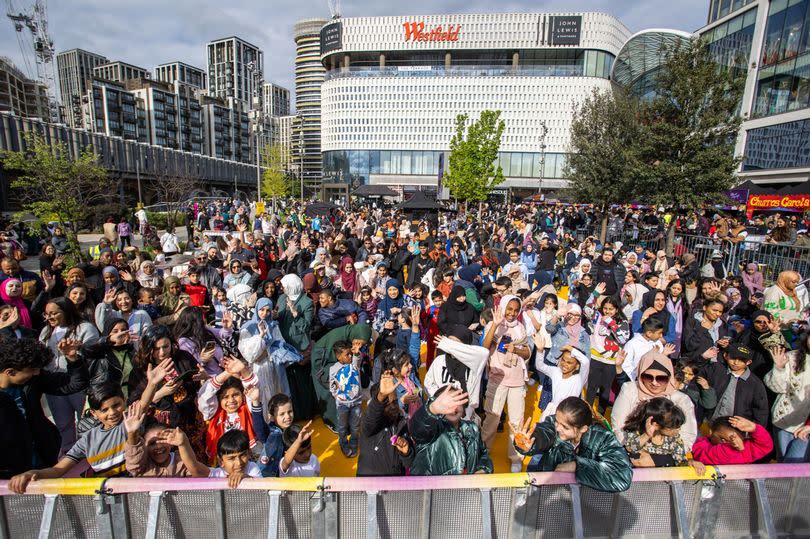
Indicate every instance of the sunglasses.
{"type": "Point", "coordinates": [653, 379]}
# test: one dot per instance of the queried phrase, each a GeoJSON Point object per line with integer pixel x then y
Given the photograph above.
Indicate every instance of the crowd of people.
{"type": "Point", "coordinates": [415, 340]}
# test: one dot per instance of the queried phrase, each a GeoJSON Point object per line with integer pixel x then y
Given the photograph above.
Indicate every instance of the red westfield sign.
{"type": "Point", "coordinates": [415, 31]}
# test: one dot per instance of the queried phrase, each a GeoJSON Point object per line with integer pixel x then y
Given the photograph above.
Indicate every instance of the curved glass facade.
{"type": "Point", "coordinates": [356, 166]}
{"type": "Point", "coordinates": [638, 63]}
{"type": "Point", "coordinates": [784, 75]}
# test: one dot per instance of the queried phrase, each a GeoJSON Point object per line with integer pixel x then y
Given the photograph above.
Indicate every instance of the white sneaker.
{"type": "Point", "coordinates": [516, 468]}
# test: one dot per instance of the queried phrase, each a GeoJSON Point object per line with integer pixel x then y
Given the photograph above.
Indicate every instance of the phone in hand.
{"type": "Point", "coordinates": [209, 346]}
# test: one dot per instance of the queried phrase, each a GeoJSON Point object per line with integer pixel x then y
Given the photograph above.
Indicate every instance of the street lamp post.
{"type": "Point", "coordinates": [257, 119]}
{"type": "Point", "coordinates": [542, 147]}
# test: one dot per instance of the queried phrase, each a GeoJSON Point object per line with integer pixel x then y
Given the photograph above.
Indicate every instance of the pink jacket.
{"type": "Point", "coordinates": [756, 447]}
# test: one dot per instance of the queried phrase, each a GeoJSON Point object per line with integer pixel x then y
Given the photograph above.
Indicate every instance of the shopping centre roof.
{"type": "Point", "coordinates": [641, 57]}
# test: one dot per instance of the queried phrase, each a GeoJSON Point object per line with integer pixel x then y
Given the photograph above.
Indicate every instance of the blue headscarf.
{"type": "Point", "coordinates": [260, 304]}
{"type": "Point", "coordinates": [387, 303]}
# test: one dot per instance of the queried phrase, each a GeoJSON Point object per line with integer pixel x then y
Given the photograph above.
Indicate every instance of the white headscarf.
{"type": "Point", "coordinates": [293, 286]}
{"type": "Point", "coordinates": [239, 294]}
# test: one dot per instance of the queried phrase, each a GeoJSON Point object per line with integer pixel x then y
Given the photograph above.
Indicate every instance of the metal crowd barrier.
{"type": "Point", "coordinates": [729, 501]}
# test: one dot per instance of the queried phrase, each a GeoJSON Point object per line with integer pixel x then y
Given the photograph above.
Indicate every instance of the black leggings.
{"type": "Point", "coordinates": [600, 380]}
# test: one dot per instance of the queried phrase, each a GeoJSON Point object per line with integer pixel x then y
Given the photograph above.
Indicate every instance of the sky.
{"type": "Point", "coordinates": [151, 32]}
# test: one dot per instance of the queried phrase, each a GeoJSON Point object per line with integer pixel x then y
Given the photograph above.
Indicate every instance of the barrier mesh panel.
{"type": "Point", "coordinates": [294, 521]}
{"type": "Point", "coordinates": [738, 511]}
{"type": "Point", "coordinates": [597, 512]}
{"type": "Point", "coordinates": [554, 515]}
{"type": "Point", "coordinates": [646, 508]}
{"type": "Point", "coordinates": [75, 518]}
{"type": "Point", "coordinates": [246, 513]}
{"type": "Point", "coordinates": [352, 515]}
{"type": "Point", "coordinates": [455, 512]}
{"type": "Point", "coordinates": [397, 511]}
{"type": "Point", "coordinates": [188, 514]}
{"type": "Point", "coordinates": [503, 511]}
{"type": "Point", "coordinates": [779, 491]}
{"type": "Point", "coordinates": [23, 514]}
{"type": "Point", "coordinates": [138, 505]}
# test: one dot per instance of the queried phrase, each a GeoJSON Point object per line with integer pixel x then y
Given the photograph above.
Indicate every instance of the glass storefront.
{"type": "Point", "coordinates": [720, 8]}
{"type": "Point", "coordinates": [355, 166]}
{"type": "Point", "coordinates": [730, 42]}
{"type": "Point", "coordinates": [784, 74]}
{"type": "Point", "coordinates": [779, 146]}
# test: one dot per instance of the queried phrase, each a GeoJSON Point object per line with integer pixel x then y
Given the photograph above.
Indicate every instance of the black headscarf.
{"type": "Point", "coordinates": [648, 301]}
{"type": "Point", "coordinates": [455, 368]}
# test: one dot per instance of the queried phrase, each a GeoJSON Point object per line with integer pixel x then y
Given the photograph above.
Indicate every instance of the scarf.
{"type": "Point", "coordinates": [293, 286]}
{"type": "Point", "coordinates": [170, 301]}
{"type": "Point", "coordinates": [76, 272]}
{"type": "Point", "coordinates": [781, 282]}
{"type": "Point", "coordinates": [657, 361]}
{"type": "Point", "coordinates": [147, 281]}
{"type": "Point", "coordinates": [16, 301]}
{"type": "Point", "coordinates": [113, 270]}
{"type": "Point", "coordinates": [502, 308]}
{"type": "Point", "coordinates": [574, 330]}
{"type": "Point", "coordinates": [389, 303]}
{"type": "Point", "coordinates": [260, 304]}
{"type": "Point", "coordinates": [216, 428]}
{"type": "Point", "coordinates": [753, 281]}
{"type": "Point", "coordinates": [348, 279]}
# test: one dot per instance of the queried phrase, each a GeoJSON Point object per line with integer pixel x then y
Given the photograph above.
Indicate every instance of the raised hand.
{"type": "Point", "coordinates": [388, 385]}
{"type": "Point", "coordinates": [109, 296]}
{"type": "Point", "coordinates": [253, 394]}
{"type": "Point", "coordinates": [702, 382]}
{"type": "Point", "coordinates": [449, 401]}
{"type": "Point", "coordinates": [174, 437]}
{"type": "Point", "coordinates": [133, 417]}
{"type": "Point", "coordinates": [49, 279]}
{"type": "Point", "coordinates": [780, 357]}
{"type": "Point", "coordinates": [416, 311]}
{"type": "Point", "coordinates": [9, 317]}
{"type": "Point", "coordinates": [600, 288]}
{"type": "Point", "coordinates": [126, 276]}
{"type": "Point", "coordinates": [743, 424]}
{"type": "Point", "coordinates": [523, 435]}
{"type": "Point", "coordinates": [157, 373]}
{"type": "Point", "coordinates": [306, 432]}
{"type": "Point", "coordinates": [70, 348]}
{"type": "Point", "coordinates": [669, 349]}
{"type": "Point", "coordinates": [234, 366]}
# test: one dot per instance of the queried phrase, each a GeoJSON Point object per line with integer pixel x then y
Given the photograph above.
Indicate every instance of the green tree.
{"type": "Point", "coordinates": [603, 160]}
{"type": "Point", "coordinates": [275, 180]}
{"type": "Point", "coordinates": [53, 186]}
{"type": "Point", "coordinates": [688, 131]}
{"type": "Point", "coordinates": [471, 173]}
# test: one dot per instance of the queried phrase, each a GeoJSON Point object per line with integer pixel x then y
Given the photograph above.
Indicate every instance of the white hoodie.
{"type": "Point", "coordinates": [473, 357]}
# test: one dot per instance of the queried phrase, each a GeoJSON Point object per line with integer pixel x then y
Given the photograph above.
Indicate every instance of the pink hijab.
{"type": "Point", "coordinates": [17, 301]}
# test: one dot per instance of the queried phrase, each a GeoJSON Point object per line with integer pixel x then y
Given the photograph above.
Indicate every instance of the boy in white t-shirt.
{"type": "Point", "coordinates": [233, 455]}
{"type": "Point", "coordinates": [298, 459]}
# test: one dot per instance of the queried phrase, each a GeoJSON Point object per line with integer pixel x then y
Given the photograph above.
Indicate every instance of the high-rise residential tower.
{"type": "Point", "coordinates": [74, 70]}
{"type": "Point", "coordinates": [235, 69]}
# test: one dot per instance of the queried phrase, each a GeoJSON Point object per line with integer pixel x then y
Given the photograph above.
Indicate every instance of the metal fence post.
{"type": "Point", "coordinates": [765, 516]}
{"type": "Point", "coordinates": [371, 514]}
{"type": "Point", "coordinates": [155, 498]}
{"type": "Point", "coordinates": [679, 504]}
{"type": "Point", "coordinates": [48, 512]}
{"type": "Point", "coordinates": [576, 511]}
{"type": "Point", "coordinates": [707, 507]}
{"type": "Point", "coordinates": [219, 512]}
{"type": "Point", "coordinates": [273, 497]}
{"type": "Point", "coordinates": [4, 533]}
{"type": "Point", "coordinates": [486, 513]}
{"type": "Point", "coordinates": [525, 515]}
{"type": "Point", "coordinates": [103, 518]}
{"type": "Point", "coordinates": [427, 499]}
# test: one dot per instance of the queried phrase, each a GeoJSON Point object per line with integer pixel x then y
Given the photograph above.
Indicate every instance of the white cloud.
{"type": "Point", "coordinates": [150, 32]}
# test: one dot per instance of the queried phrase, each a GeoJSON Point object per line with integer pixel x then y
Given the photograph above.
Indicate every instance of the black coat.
{"type": "Point", "coordinates": [696, 339]}
{"type": "Point", "coordinates": [103, 365]}
{"type": "Point", "coordinates": [20, 434]}
{"type": "Point", "coordinates": [377, 456]}
{"type": "Point", "coordinates": [750, 399]}
{"type": "Point", "coordinates": [450, 317]}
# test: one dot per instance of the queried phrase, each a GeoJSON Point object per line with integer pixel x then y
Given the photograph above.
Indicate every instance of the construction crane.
{"type": "Point", "coordinates": [35, 20]}
{"type": "Point", "coordinates": [334, 8]}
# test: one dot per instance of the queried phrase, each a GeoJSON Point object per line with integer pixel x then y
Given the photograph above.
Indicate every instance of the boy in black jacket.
{"type": "Point", "coordinates": [739, 391]}
{"type": "Point", "coordinates": [384, 446]}
{"type": "Point", "coordinates": [27, 438]}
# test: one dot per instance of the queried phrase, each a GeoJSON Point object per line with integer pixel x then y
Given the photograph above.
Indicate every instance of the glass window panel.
{"type": "Point", "coordinates": [794, 19]}
{"type": "Point", "coordinates": [396, 162]}
{"type": "Point", "coordinates": [406, 162]}
{"type": "Point", "coordinates": [526, 168]}
{"type": "Point", "coordinates": [773, 38]}
{"type": "Point", "coordinates": [750, 17]}
{"type": "Point", "coordinates": [551, 165]}
{"type": "Point", "coordinates": [800, 90]}
{"type": "Point", "coordinates": [734, 25]}
{"type": "Point", "coordinates": [385, 162]}
{"type": "Point", "coordinates": [516, 163]}
{"type": "Point", "coordinates": [590, 67]}
{"type": "Point", "coordinates": [431, 163]}
{"type": "Point", "coordinates": [375, 162]}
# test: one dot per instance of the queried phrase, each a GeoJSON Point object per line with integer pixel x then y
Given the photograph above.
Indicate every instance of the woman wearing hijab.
{"type": "Point", "coordinates": [295, 312]}
{"type": "Point", "coordinates": [469, 278]}
{"type": "Point", "coordinates": [752, 278]}
{"type": "Point", "coordinates": [172, 301]}
{"type": "Point", "coordinates": [390, 305]}
{"type": "Point", "coordinates": [529, 259]}
{"type": "Point", "coordinates": [148, 277]}
{"type": "Point", "coordinates": [781, 299]}
{"type": "Point", "coordinates": [654, 305]}
{"type": "Point", "coordinates": [565, 329]}
{"type": "Point", "coordinates": [347, 280]}
{"type": "Point", "coordinates": [760, 339]}
{"type": "Point", "coordinates": [655, 378]}
{"type": "Point", "coordinates": [11, 294]}
{"type": "Point", "coordinates": [456, 315]}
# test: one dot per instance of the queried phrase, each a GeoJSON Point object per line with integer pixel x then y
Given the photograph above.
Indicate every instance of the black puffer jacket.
{"type": "Point", "coordinates": [19, 433]}
{"type": "Point", "coordinates": [378, 457]}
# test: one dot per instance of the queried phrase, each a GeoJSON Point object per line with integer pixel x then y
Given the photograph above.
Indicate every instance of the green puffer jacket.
{"type": "Point", "coordinates": [442, 449]}
{"type": "Point", "coordinates": [602, 462]}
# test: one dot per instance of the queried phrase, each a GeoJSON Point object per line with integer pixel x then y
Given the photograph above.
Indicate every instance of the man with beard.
{"type": "Point", "coordinates": [419, 266]}
{"type": "Point", "coordinates": [209, 276]}
{"type": "Point", "coordinates": [385, 447]}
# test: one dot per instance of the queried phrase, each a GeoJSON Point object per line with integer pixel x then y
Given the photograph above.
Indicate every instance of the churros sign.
{"type": "Point", "coordinates": [793, 202]}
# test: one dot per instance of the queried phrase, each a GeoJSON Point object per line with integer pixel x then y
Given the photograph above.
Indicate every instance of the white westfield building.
{"type": "Point", "coordinates": [394, 86]}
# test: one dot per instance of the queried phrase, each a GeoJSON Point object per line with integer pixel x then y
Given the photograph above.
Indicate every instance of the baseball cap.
{"type": "Point", "coordinates": [738, 351]}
